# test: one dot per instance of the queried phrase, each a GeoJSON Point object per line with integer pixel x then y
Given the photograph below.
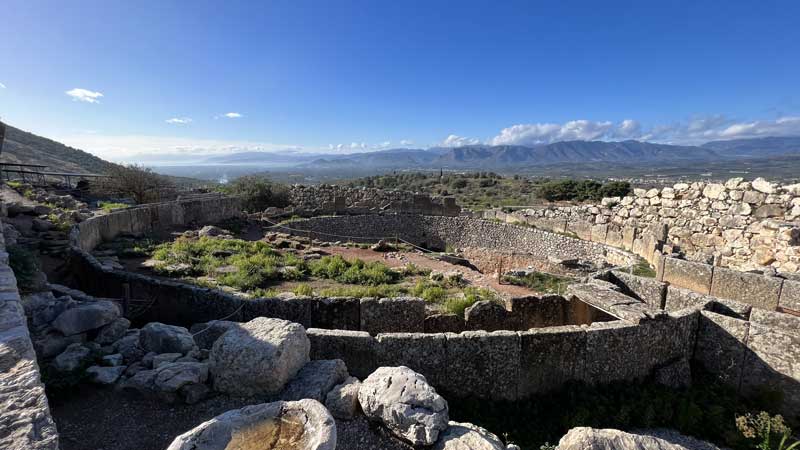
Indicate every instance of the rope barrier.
{"type": "Point", "coordinates": [224, 318]}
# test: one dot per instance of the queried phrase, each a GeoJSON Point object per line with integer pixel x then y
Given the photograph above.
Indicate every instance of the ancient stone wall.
{"type": "Point", "coordinates": [147, 218]}
{"type": "Point", "coordinates": [738, 224]}
{"type": "Point", "coordinates": [438, 232]}
{"type": "Point", "coordinates": [327, 199]}
{"type": "Point", "coordinates": [24, 412]}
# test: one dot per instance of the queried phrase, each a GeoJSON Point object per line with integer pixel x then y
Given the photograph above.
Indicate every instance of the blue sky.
{"type": "Point", "coordinates": [338, 76]}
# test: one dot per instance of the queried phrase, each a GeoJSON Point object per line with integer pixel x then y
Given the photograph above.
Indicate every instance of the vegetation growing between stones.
{"type": "Point", "coordinates": [707, 410]}
{"type": "Point", "coordinates": [111, 206]}
{"type": "Point", "coordinates": [540, 282]}
{"type": "Point", "coordinates": [643, 269]}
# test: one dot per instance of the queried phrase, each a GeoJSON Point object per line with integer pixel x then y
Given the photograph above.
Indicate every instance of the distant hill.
{"type": "Point", "coordinates": [28, 148]}
{"type": "Point", "coordinates": [756, 147]}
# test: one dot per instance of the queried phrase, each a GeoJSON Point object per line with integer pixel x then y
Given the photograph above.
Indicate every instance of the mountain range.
{"type": "Point", "coordinates": [766, 152]}
{"type": "Point", "coordinates": [517, 156]}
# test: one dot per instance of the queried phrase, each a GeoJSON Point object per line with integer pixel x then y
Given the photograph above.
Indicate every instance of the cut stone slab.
{"type": "Point", "coordinates": [300, 425]}
{"type": "Point", "coordinates": [258, 357]}
{"type": "Point", "coordinates": [405, 403]}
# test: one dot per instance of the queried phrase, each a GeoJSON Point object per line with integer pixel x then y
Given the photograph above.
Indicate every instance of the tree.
{"type": "Point", "coordinates": [258, 193]}
{"type": "Point", "coordinates": [137, 182]}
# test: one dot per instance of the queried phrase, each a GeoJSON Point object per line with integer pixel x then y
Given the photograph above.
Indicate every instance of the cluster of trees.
{"type": "Point", "coordinates": [135, 182]}
{"type": "Point", "coordinates": [258, 193]}
{"type": "Point", "coordinates": [584, 190]}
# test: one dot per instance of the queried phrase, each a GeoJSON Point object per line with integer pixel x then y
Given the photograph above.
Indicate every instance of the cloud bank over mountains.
{"type": "Point", "coordinates": [694, 131]}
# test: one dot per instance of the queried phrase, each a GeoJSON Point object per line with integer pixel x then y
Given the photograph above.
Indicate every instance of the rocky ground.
{"type": "Point", "coordinates": [101, 418]}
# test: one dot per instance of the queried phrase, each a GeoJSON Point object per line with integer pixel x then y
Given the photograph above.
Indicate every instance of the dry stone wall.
{"type": "Point", "coordinates": [24, 412]}
{"type": "Point", "coordinates": [738, 224]}
{"type": "Point", "coordinates": [314, 200]}
{"type": "Point", "coordinates": [438, 232]}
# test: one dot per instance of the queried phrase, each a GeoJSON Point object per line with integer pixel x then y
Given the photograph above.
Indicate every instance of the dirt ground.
{"type": "Point", "coordinates": [96, 418]}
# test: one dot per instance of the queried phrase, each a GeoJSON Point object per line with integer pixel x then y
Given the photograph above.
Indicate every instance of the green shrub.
{"type": "Point", "coordinates": [572, 190]}
{"type": "Point", "coordinates": [111, 206]}
{"type": "Point", "coordinates": [258, 193]}
{"type": "Point", "coordinates": [353, 271]}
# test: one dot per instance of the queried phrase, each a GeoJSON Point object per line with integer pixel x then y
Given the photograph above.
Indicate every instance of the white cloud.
{"type": "Point", "coordinates": [2, 86]}
{"type": "Point", "coordinates": [233, 115]}
{"type": "Point", "coordinates": [406, 142]}
{"type": "Point", "coordinates": [358, 146]}
{"type": "Point", "coordinates": [384, 144]}
{"type": "Point", "coordinates": [544, 133]}
{"type": "Point", "coordinates": [84, 95]}
{"type": "Point", "coordinates": [458, 141]}
{"type": "Point", "coordinates": [129, 147]}
{"type": "Point", "coordinates": [179, 120]}
{"type": "Point", "coordinates": [694, 131]}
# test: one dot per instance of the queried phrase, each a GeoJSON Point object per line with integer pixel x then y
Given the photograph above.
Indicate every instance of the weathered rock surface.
{"type": "Point", "coordinates": [72, 358]}
{"type": "Point", "coordinates": [584, 438]}
{"type": "Point", "coordinates": [105, 375]}
{"type": "Point", "coordinates": [342, 400]}
{"type": "Point", "coordinates": [466, 436]}
{"type": "Point", "coordinates": [300, 425]}
{"type": "Point", "coordinates": [160, 338]}
{"type": "Point", "coordinates": [405, 403]}
{"type": "Point", "coordinates": [205, 334]}
{"type": "Point", "coordinates": [315, 380]}
{"type": "Point", "coordinates": [258, 357]}
{"type": "Point", "coordinates": [113, 332]}
{"type": "Point", "coordinates": [86, 316]}
{"type": "Point", "coordinates": [170, 377]}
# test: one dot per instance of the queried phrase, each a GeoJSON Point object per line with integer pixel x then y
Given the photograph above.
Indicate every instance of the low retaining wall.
{"type": "Point", "coordinates": [511, 365]}
{"type": "Point", "coordinates": [25, 418]}
{"type": "Point", "coordinates": [438, 232]}
{"type": "Point", "coordinates": [155, 216]}
{"type": "Point", "coordinates": [326, 199]}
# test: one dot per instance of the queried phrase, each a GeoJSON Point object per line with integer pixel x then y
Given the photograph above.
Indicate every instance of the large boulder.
{"type": "Point", "coordinates": [161, 338]}
{"type": "Point", "coordinates": [86, 316]}
{"type": "Point", "coordinates": [584, 438]}
{"type": "Point", "coordinates": [171, 377]}
{"type": "Point", "coordinates": [300, 425]}
{"type": "Point", "coordinates": [315, 380]}
{"type": "Point", "coordinates": [405, 403]}
{"type": "Point", "coordinates": [466, 436]}
{"type": "Point", "coordinates": [258, 357]}
{"type": "Point", "coordinates": [128, 346]}
{"type": "Point", "coordinates": [105, 375]}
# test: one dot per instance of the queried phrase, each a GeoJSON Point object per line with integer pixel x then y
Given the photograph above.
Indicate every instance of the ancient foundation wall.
{"type": "Point", "coordinates": [438, 232]}
{"type": "Point", "coordinates": [24, 412]}
{"type": "Point", "coordinates": [739, 224]}
{"type": "Point", "coordinates": [326, 199]}
{"type": "Point", "coordinates": [146, 218]}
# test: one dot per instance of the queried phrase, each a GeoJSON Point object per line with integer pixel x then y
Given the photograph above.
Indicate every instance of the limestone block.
{"type": "Point", "coordinates": [785, 322]}
{"type": "Point", "coordinates": [790, 295]}
{"type": "Point", "coordinates": [599, 233]}
{"type": "Point", "coordinates": [771, 363]}
{"type": "Point", "coordinates": [763, 185]}
{"type": "Point", "coordinates": [721, 346]}
{"type": "Point", "coordinates": [609, 346]}
{"type": "Point", "coordinates": [649, 290]}
{"type": "Point", "coordinates": [755, 289]}
{"type": "Point", "coordinates": [542, 366]}
{"type": "Point", "coordinates": [678, 299]}
{"type": "Point", "coordinates": [424, 353]}
{"type": "Point", "coordinates": [444, 323]}
{"type": "Point", "coordinates": [356, 348]}
{"type": "Point", "coordinates": [483, 364]}
{"type": "Point", "coordinates": [387, 315]}
{"type": "Point", "coordinates": [688, 274]}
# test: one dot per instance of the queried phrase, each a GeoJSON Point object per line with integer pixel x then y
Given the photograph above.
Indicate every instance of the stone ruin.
{"type": "Point", "coordinates": [614, 326]}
